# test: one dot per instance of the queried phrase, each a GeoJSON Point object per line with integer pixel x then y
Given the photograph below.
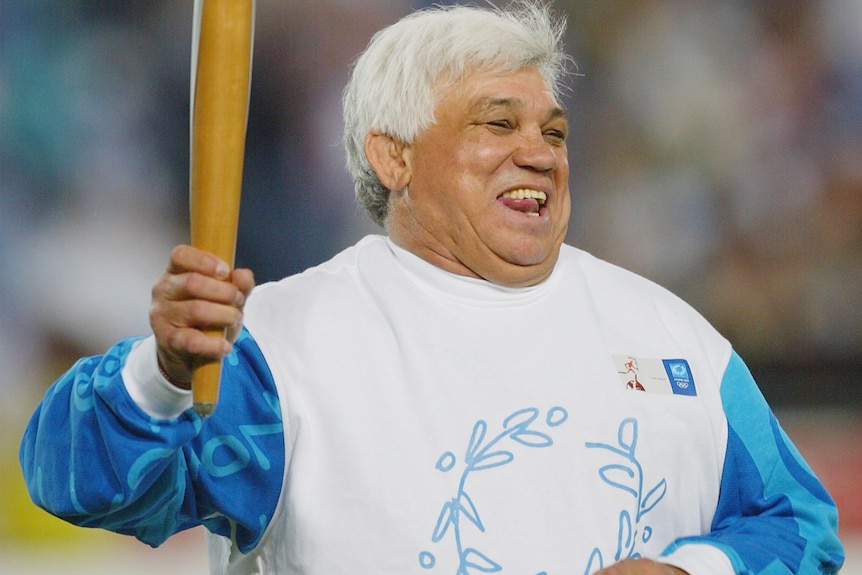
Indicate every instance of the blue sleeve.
{"type": "Point", "coordinates": [773, 515]}
{"type": "Point", "coordinates": [91, 456]}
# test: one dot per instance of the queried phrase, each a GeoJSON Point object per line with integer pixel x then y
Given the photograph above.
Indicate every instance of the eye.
{"type": "Point", "coordinates": [502, 124]}
{"type": "Point", "coordinates": [554, 136]}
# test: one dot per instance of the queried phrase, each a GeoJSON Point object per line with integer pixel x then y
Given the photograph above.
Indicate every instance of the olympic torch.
{"type": "Point", "coordinates": [222, 41]}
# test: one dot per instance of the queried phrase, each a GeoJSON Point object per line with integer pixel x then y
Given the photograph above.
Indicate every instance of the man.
{"type": "Point", "coordinates": [450, 398]}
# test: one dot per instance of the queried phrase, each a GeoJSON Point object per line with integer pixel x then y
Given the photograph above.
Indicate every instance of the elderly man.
{"type": "Point", "coordinates": [463, 395]}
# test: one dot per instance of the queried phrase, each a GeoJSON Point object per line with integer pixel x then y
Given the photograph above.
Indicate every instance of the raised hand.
{"type": "Point", "coordinates": [197, 292]}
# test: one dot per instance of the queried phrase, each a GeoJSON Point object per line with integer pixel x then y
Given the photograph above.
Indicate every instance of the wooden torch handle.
{"type": "Point", "coordinates": [220, 85]}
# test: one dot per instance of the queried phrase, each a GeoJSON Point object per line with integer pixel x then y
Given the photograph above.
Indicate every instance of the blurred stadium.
{"type": "Point", "coordinates": [716, 147]}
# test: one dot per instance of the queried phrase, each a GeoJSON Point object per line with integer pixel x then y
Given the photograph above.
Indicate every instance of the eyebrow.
{"type": "Point", "coordinates": [484, 105]}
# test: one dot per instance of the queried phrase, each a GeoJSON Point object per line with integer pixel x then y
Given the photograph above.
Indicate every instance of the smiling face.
{"type": "Point", "coordinates": [484, 191]}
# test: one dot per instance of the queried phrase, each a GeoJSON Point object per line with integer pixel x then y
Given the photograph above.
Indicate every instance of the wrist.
{"type": "Point", "coordinates": [181, 385]}
{"type": "Point", "coordinates": [147, 385]}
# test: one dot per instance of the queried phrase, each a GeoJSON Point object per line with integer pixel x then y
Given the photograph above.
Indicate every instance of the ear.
{"type": "Point", "coordinates": [386, 155]}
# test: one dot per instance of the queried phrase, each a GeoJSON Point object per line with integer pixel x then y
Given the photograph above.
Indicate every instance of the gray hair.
{"type": "Point", "coordinates": [392, 85]}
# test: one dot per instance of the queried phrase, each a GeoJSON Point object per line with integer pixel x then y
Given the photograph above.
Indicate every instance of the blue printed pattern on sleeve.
{"type": "Point", "coordinates": [92, 457]}
{"type": "Point", "coordinates": [773, 515]}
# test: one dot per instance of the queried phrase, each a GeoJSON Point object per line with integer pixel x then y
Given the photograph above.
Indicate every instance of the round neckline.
{"type": "Point", "coordinates": [464, 289]}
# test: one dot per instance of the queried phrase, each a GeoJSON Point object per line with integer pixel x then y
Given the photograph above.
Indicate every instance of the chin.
{"type": "Point", "coordinates": [531, 252]}
{"type": "Point", "coordinates": [525, 269]}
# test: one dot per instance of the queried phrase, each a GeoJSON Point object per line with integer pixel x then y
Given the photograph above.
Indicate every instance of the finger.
{"type": "Point", "coordinates": [185, 258]}
{"type": "Point", "coordinates": [243, 279]}
{"type": "Point", "coordinates": [233, 331]}
{"type": "Point", "coordinates": [204, 315]}
{"type": "Point", "coordinates": [185, 348]}
{"type": "Point", "coordinates": [166, 316]}
{"type": "Point", "coordinates": [193, 285]}
{"type": "Point", "coordinates": [192, 346]}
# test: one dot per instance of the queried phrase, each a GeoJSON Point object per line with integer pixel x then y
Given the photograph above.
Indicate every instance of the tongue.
{"type": "Point", "coordinates": [527, 205]}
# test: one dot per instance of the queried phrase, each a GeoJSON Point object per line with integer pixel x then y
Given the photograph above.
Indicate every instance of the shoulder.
{"type": "Point", "coordinates": [627, 298]}
{"type": "Point", "coordinates": [607, 277]}
{"type": "Point", "coordinates": [334, 288]}
{"type": "Point", "coordinates": [339, 272]}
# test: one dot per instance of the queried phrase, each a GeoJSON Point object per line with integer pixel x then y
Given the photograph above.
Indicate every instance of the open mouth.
{"type": "Point", "coordinates": [524, 200]}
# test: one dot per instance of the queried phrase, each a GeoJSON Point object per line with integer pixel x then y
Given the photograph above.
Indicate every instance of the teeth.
{"type": "Point", "coordinates": [523, 193]}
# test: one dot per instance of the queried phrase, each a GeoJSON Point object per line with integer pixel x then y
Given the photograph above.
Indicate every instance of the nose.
{"type": "Point", "coordinates": [535, 152]}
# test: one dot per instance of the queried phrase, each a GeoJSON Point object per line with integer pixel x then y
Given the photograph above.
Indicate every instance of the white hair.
{"type": "Point", "coordinates": [395, 82]}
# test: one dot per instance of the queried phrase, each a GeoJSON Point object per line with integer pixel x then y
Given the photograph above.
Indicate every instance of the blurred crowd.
{"type": "Point", "coordinates": [716, 148]}
{"type": "Point", "coordinates": [723, 158]}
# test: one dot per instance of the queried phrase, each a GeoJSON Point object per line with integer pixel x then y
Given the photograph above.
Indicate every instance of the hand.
{"type": "Point", "coordinates": [198, 292]}
{"type": "Point", "coordinates": [641, 566]}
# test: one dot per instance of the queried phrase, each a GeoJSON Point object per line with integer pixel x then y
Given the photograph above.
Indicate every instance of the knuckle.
{"type": "Point", "coordinates": [195, 345]}
{"type": "Point", "coordinates": [176, 340]}
{"type": "Point", "coordinates": [192, 283]}
{"type": "Point", "coordinates": [173, 286]}
{"type": "Point", "coordinates": [179, 252]}
{"type": "Point", "coordinates": [197, 312]}
{"type": "Point", "coordinates": [161, 286]}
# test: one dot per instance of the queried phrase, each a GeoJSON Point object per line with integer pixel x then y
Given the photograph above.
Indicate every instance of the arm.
{"type": "Point", "coordinates": [91, 456]}
{"type": "Point", "coordinates": [95, 456]}
{"type": "Point", "coordinates": [773, 514]}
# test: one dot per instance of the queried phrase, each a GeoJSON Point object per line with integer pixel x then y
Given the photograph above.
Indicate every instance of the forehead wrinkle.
{"type": "Point", "coordinates": [488, 103]}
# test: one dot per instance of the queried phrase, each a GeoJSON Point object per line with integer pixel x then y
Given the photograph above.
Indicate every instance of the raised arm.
{"type": "Point", "coordinates": [114, 445]}
{"type": "Point", "coordinates": [197, 292]}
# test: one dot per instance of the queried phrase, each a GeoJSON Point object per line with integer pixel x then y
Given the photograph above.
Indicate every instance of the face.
{"type": "Point", "coordinates": [487, 185]}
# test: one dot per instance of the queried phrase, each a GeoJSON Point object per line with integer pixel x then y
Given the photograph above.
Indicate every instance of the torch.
{"type": "Point", "coordinates": [222, 42]}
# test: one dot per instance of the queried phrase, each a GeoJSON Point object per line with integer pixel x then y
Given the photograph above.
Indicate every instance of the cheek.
{"type": "Point", "coordinates": [463, 173]}
{"type": "Point", "coordinates": [562, 171]}
{"type": "Point", "coordinates": [471, 170]}
{"type": "Point", "coordinates": [561, 177]}
{"type": "Point", "coordinates": [487, 154]}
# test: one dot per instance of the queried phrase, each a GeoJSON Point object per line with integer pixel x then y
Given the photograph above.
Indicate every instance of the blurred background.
{"type": "Point", "coordinates": [716, 148]}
